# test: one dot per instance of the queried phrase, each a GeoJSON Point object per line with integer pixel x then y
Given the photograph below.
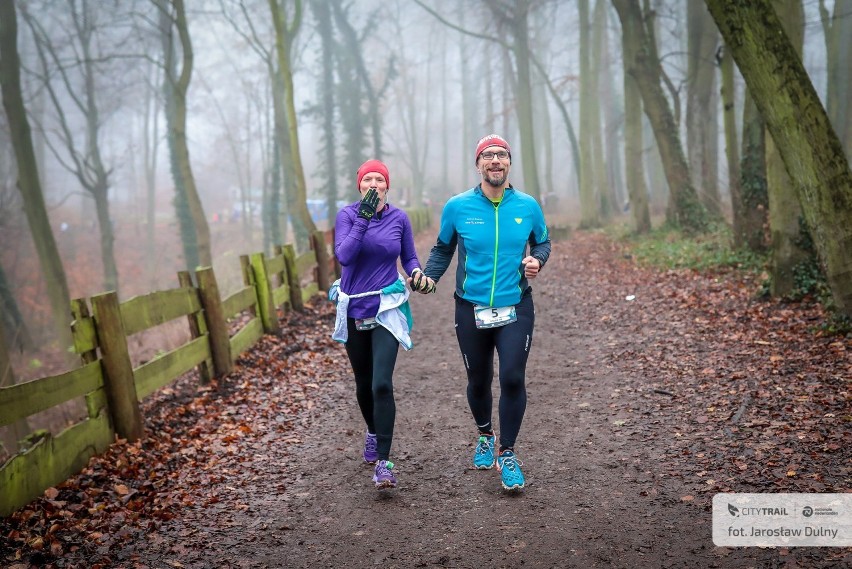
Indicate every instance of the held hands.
{"type": "Point", "coordinates": [531, 266]}
{"type": "Point", "coordinates": [419, 282]}
{"type": "Point", "coordinates": [369, 203]}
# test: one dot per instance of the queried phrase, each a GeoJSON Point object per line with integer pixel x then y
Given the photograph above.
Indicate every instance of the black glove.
{"type": "Point", "coordinates": [419, 282]}
{"type": "Point", "coordinates": [369, 203]}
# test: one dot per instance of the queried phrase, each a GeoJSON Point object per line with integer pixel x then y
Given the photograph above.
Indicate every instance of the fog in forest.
{"type": "Point", "coordinates": [414, 84]}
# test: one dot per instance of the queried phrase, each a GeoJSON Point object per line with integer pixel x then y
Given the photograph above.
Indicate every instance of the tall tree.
{"type": "Point", "coordinates": [150, 151]}
{"type": "Point", "coordinates": [701, 113]}
{"type": "Point", "coordinates": [634, 170]}
{"type": "Point", "coordinates": [686, 211]}
{"type": "Point", "coordinates": [600, 100]}
{"type": "Point", "coordinates": [589, 211]}
{"type": "Point", "coordinates": [728, 92]}
{"type": "Point", "coordinates": [786, 223]}
{"type": "Point", "coordinates": [285, 33]}
{"type": "Point", "coordinates": [75, 69]}
{"type": "Point", "coordinates": [28, 178]}
{"type": "Point", "coordinates": [838, 43]}
{"type": "Point", "coordinates": [750, 213]}
{"type": "Point", "coordinates": [328, 172]}
{"type": "Point", "coordinates": [801, 129]}
{"type": "Point", "coordinates": [195, 232]}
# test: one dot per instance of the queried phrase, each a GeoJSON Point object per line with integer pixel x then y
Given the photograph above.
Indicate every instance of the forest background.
{"type": "Point", "coordinates": [165, 135]}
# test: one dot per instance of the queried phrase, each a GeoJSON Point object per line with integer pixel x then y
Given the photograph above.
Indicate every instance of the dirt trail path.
{"type": "Point", "coordinates": [596, 495]}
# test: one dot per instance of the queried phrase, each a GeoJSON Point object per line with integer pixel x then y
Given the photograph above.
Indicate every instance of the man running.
{"type": "Point", "coordinates": [503, 243]}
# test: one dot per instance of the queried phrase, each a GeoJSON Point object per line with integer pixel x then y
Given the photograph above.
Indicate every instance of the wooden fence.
{"type": "Point", "coordinates": [113, 388]}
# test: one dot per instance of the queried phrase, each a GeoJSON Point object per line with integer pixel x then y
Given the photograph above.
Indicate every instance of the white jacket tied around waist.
{"type": "Point", "coordinates": [394, 312]}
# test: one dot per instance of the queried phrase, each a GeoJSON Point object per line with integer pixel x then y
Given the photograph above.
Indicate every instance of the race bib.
{"type": "Point", "coordinates": [366, 324]}
{"type": "Point", "coordinates": [492, 316]}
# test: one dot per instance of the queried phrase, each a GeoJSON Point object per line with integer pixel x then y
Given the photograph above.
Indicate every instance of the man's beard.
{"type": "Point", "coordinates": [493, 179]}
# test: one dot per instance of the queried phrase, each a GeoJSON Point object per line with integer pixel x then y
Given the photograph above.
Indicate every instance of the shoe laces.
{"type": "Point", "coordinates": [510, 462]}
{"type": "Point", "coordinates": [483, 447]}
{"type": "Point", "coordinates": [384, 467]}
{"type": "Point", "coordinates": [371, 443]}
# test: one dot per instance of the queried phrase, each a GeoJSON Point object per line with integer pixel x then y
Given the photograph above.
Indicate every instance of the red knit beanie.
{"type": "Point", "coordinates": [373, 166]}
{"type": "Point", "coordinates": [491, 140]}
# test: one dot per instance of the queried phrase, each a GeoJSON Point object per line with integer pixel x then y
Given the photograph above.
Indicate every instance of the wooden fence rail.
{"type": "Point", "coordinates": [112, 387]}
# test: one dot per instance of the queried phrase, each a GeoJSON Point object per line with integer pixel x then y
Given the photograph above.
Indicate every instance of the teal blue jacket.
{"type": "Point", "coordinates": [492, 239]}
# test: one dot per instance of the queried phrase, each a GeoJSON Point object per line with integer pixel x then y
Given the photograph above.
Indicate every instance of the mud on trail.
{"type": "Point", "coordinates": [628, 433]}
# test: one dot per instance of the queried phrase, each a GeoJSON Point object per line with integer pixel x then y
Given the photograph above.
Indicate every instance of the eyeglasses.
{"type": "Point", "coordinates": [501, 154]}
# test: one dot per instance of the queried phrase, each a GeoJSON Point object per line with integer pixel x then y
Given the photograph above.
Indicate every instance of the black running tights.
{"type": "Point", "coordinates": [372, 354]}
{"type": "Point", "coordinates": [512, 343]}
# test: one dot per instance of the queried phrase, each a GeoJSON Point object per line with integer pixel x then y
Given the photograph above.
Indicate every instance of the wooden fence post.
{"type": "Point", "coordinates": [197, 328]}
{"type": "Point", "coordinates": [208, 288]}
{"type": "Point", "coordinates": [118, 371]}
{"type": "Point", "coordinates": [321, 251]}
{"type": "Point", "coordinates": [265, 304]}
{"type": "Point", "coordinates": [294, 278]}
{"type": "Point", "coordinates": [83, 332]}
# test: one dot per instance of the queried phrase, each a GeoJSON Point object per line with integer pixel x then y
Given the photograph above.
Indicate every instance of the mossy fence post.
{"type": "Point", "coordinates": [118, 371]}
{"type": "Point", "coordinates": [293, 277]}
{"type": "Point", "coordinates": [321, 251]}
{"type": "Point", "coordinates": [217, 327]}
{"type": "Point", "coordinates": [265, 303]}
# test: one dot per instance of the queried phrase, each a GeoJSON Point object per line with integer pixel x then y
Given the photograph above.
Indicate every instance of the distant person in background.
{"type": "Point", "coordinates": [503, 243]}
{"type": "Point", "coordinates": [373, 317]}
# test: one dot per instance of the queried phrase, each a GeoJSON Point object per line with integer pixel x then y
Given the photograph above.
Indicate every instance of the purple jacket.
{"type": "Point", "coordinates": [367, 252]}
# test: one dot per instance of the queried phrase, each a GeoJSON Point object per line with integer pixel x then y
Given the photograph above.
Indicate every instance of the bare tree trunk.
{"type": "Point", "coordinates": [194, 229]}
{"type": "Point", "coordinates": [589, 211]}
{"type": "Point", "coordinates": [526, 126]}
{"type": "Point", "coordinates": [28, 179]}
{"type": "Point", "coordinates": [801, 129]}
{"type": "Point", "coordinates": [750, 232]}
{"type": "Point", "coordinates": [785, 214]}
{"type": "Point", "coordinates": [606, 199]}
{"type": "Point", "coordinates": [634, 168]}
{"type": "Point", "coordinates": [732, 154]}
{"type": "Point", "coordinates": [687, 211]}
{"type": "Point", "coordinates": [11, 318]}
{"type": "Point", "coordinates": [700, 108]}
{"type": "Point", "coordinates": [838, 43]}
{"type": "Point", "coordinates": [150, 150]}
{"type": "Point", "coordinates": [284, 34]}
{"type": "Point", "coordinates": [612, 119]}
{"type": "Point", "coordinates": [322, 13]}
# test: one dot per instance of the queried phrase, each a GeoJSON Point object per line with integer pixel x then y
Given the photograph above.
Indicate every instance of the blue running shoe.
{"type": "Point", "coordinates": [371, 446]}
{"type": "Point", "coordinates": [483, 456]}
{"type": "Point", "coordinates": [510, 470]}
{"type": "Point", "coordinates": [383, 477]}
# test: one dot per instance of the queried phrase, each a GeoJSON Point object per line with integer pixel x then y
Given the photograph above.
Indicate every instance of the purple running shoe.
{"type": "Point", "coordinates": [383, 477]}
{"type": "Point", "coordinates": [371, 453]}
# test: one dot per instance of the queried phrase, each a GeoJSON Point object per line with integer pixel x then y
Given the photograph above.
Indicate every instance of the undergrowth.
{"type": "Point", "coordinates": [670, 248]}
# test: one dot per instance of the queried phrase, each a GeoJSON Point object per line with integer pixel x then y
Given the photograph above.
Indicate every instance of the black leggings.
{"type": "Point", "coordinates": [372, 354]}
{"type": "Point", "coordinates": [512, 342]}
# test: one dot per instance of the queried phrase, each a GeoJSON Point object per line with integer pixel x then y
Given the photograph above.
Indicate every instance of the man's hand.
{"type": "Point", "coordinates": [531, 267]}
{"type": "Point", "coordinates": [369, 203]}
{"type": "Point", "coordinates": [419, 282]}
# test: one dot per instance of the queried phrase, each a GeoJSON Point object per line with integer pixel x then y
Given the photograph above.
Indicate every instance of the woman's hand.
{"type": "Point", "coordinates": [369, 203]}
{"type": "Point", "coordinates": [418, 281]}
